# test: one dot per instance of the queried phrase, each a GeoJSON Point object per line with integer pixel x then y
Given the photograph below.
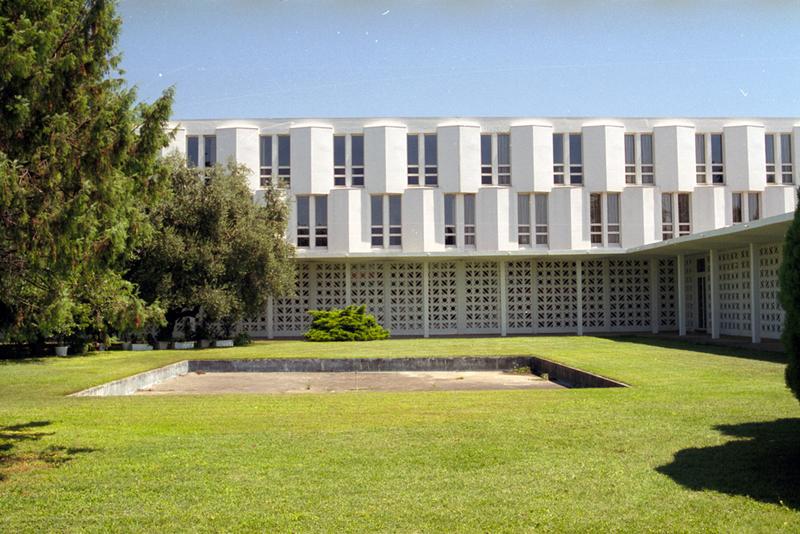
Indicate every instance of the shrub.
{"type": "Point", "coordinates": [790, 300]}
{"type": "Point", "coordinates": [351, 323]}
{"type": "Point", "coordinates": [242, 339]}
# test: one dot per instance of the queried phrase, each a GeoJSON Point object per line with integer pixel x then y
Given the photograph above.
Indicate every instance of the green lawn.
{"type": "Point", "coordinates": [705, 440]}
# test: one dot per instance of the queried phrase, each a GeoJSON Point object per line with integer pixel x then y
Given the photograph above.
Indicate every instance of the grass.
{"type": "Point", "coordinates": [705, 440]}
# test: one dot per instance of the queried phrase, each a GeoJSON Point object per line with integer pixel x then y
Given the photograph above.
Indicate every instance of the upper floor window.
{"type": "Point", "coordinates": [265, 160]}
{"type": "Point", "coordinates": [639, 167]}
{"type": "Point", "coordinates": [312, 208]}
{"type": "Point", "coordinates": [496, 159]}
{"type": "Point", "coordinates": [192, 151]}
{"type": "Point", "coordinates": [469, 220]}
{"type": "Point", "coordinates": [431, 160]}
{"type": "Point", "coordinates": [357, 160]}
{"type": "Point", "coordinates": [386, 207]}
{"type": "Point", "coordinates": [746, 207]}
{"type": "Point", "coordinates": [567, 159]}
{"type": "Point", "coordinates": [450, 220]}
{"type": "Point", "coordinates": [709, 148]}
{"type": "Point", "coordinates": [532, 219]}
{"type": "Point", "coordinates": [604, 224]}
{"type": "Point", "coordinates": [339, 160]}
{"type": "Point", "coordinates": [412, 151]}
{"type": "Point", "coordinates": [284, 159]}
{"type": "Point", "coordinates": [670, 225]}
{"type": "Point", "coordinates": [780, 151]}
{"type": "Point", "coordinates": [210, 150]}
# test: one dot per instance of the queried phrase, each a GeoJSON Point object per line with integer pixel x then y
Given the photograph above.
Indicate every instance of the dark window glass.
{"type": "Point", "coordinates": [302, 211]}
{"type": "Point", "coordinates": [630, 149]}
{"type": "Point", "coordinates": [540, 200]}
{"type": "Point", "coordinates": [192, 151]}
{"type": "Point", "coordinates": [339, 150]}
{"type": "Point", "coordinates": [683, 208]}
{"type": "Point", "coordinates": [737, 207]}
{"type": "Point", "coordinates": [449, 210]}
{"type": "Point", "coordinates": [716, 148]}
{"type": "Point", "coordinates": [666, 208]}
{"type": "Point", "coordinates": [395, 215]}
{"type": "Point", "coordinates": [523, 209]}
{"type": "Point", "coordinates": [486, 149]}
{"type": "Point", "coordinates": [431, 156]}
{"type": "Point", "coordinates": [769, 145]}
{"type": "Point", "coordinates": [503, 149]}
{"type": "Point", "coordinates": [754, 206]}
{"type": "Point", "coordinates": [469, 209]}
{"type": "Point", "coordinates": [595, 209]}
{"type": "Point", "coordinates": [357, 149]}
{"type": "Point", "coordinates": [284, 150]}
{"type": "Point", "coordinates": [647, 149]}
{"type": "Point", "coordinates": [558, 148]}
{"type": "Point", "coordinates": [786, 148]}
{"type": "Point", "coordinates": [265, 150]}
{"type": "Point", "coordinates": [412, 149]}
{"type": "Point", "coordinates": [613, 208]}
{"type": "Point", "coordinates": [575, 149]}
{"type": "Point", "coordinates": [210, 146]}
{"type": "Point", "coordinates": [321, 210]}
{"type": "Point", "coordinates": [700, 149]}
{"type": "Point", "coordinates": [376, 202]}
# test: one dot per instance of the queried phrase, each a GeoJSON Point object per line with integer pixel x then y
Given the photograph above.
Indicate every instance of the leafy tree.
{"type": "Point", "coordinates": [77, 170]}
{"type": "Point", "coordinates": [351, 323]}
{"type": "Point", "coordinates": [790, 300]}
{"type": "Point", "coordinates": [214, 249]}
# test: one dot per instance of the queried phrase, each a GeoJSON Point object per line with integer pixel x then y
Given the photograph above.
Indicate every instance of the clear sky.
{"type": "Point", "coordinates": [240, 58]}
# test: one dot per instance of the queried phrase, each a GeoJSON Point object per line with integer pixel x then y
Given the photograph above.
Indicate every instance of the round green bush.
{"type": "Point", "coordinates": [351, 323]}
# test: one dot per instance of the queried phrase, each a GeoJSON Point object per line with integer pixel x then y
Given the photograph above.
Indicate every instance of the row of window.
{"type": "Point", "coordinates": [423, 169]}
{"type": "Point", "coordinates": [386, 223]}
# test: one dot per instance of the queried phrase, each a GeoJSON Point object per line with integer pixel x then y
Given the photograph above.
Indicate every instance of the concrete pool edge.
{"type": "Point", "coordinates": [570, 377]}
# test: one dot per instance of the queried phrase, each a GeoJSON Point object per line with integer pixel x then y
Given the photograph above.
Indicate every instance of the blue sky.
{"type": "Point", "coordinates": [240, 58]}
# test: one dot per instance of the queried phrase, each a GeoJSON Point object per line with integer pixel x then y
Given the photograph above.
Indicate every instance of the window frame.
{"type": "Point", "coordinates": [570, 172]}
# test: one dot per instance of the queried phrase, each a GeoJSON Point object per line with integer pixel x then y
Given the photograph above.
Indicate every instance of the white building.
{"type": "Point", "coordinates": [524, 226]}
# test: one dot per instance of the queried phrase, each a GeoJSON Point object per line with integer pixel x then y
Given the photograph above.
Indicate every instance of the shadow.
{"type": "Point", "coordinates": [764, 465]}
{"type": "Point", "coordinates": [750, 353]}
{"type": "Point", "coordinates": [14, 459]}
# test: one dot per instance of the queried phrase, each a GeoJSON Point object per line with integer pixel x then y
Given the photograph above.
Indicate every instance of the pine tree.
{"type": "Point", "coordinates": [790, 300]}
{"type": "Point", "coordinates": [78, 160]}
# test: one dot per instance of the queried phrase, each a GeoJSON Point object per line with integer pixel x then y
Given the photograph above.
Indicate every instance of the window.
{"type": "Point", "coordinates": [192, 151]}
{"type": "Point", "coordinates": [503, 159]}
{"type": "Point", "coordinates": [210, 150]}
{"type": "Point", "coordinates": [639, 159]}
{"type": "Point", "coordinates": [312, 208]}
{"type": "Point", "coordinates": [700, 158]}
{"type": "Point", "coordinates": [265, 160]}
{"type": "Point", "coordinates": [431, 160]}
{"type": "Point", "coordinates": [604, 230]}
{"type": "Point", "coordinates": [303, 218]}
{"type": "Point", "coordinates": [668, 221]}
{"type": "Point", "coordinates": [781, 151]}
{"type": "Point", "coordinates": [394, 231]}
{"type": "Point", "coordinates": [469, 220]}
{"type": "Point", "coordinates": [536, 212]}
{"type": "Point", "coordinates": [646, 150]}
{"type": "Point", "coordinates": [450, 220]}
{"type": "Point", "coordinates": [412, 150]}
{"type": "Point", "coordinates": [746, 207]}
{"type": "Point", "coordinates": [357, 160]}
{"type": "Point", "coordinates": [486, 159]}
{"type": "Point", "coordinates": [339, 160]}
{"type": "Point", "coordinates": [630, 158]}
{"type": "Point", "coordinates": [284, 159]}
{"type": "Point", "coordinates": [321, 221]}
{"type": "Point", "coordinates": [717, 165]}
{"type": "Point", "coordinates": [667, 227]}
{"type": "Point", "coordinates": [376, 202]}
{"type": "Point", "coordinates": [567, 159]}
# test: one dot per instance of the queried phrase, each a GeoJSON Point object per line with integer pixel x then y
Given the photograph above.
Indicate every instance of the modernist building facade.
{"type": "Point", "coordinates": [518, 226]}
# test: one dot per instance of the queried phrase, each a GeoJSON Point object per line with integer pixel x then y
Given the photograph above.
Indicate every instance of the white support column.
{"type": "Point", "coordinates": [713, 279]}
{"type": "Point", "coordinates": [348, 284]}
{"type": "Point", "coordinates": [579, 281]}
{"type": "Point", "coordinates": [534, 300]}
{"type": "Point", "coordinates": [503, 271]}
{"type": "Point", "coordinates": [755, 294]}
{"type": "Point", "coordinates": [654, 301]}
{"type": "Point", "coordinates": [270, 321]}
{"type": "Point", "coordinates": [680, 269]}
{"type": "Point", "coordinates": [426, 332]}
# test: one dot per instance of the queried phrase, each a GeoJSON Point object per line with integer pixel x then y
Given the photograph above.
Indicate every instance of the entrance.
{"type": "Point", "coordinates": [701, 295]}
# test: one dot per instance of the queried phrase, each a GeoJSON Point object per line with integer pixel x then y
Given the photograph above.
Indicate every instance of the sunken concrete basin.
{"type": "Point", "coordinates": [546, 372]}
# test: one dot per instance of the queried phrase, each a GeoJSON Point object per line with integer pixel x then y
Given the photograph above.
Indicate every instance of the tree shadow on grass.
{"type": "Point", "coordinates": [764, 465]}
{"type": "Point", "coordinates": [744, 351]}
{"type": "Point", "coordinates": [13, 459]}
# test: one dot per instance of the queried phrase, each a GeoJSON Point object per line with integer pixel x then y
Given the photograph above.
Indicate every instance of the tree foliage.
{"type": "Point", "coordinates": [351, 323]}
{"type": "Point", "coordinates": [790, 300]}
{"type": "Point", "coordinates": [77, 169]}
{"type": "Point", "coordinates": [214, 249]}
